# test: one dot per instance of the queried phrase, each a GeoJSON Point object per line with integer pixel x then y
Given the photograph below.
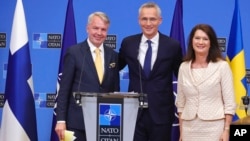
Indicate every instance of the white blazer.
{"type": "Point", "coordinates": [211, 97]}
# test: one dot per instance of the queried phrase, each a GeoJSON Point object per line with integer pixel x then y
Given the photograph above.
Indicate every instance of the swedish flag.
{"type": "Point", "coordinates": [236, 59]}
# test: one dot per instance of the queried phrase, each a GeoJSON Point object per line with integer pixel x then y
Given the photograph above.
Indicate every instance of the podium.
{"type": "Point", "coordinates": [110, 116]}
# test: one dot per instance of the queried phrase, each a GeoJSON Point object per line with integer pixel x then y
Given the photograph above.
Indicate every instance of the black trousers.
{"type": "Point", "coordinates": [147, 130]}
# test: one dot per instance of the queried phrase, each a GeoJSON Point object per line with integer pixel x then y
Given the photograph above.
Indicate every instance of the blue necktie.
{"type": "Point", "coordinates": [147, 61]}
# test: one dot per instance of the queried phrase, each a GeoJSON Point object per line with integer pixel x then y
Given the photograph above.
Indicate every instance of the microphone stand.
{"type": "Point", "coordinates": [143, 103]}
{"type": "Point", "coordinates": [245, 101]}
{"type": "Point", "coordinates": [78, 98]}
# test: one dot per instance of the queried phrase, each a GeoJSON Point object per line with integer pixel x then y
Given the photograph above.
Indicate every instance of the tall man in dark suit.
{"type": "Point", "coordinates": [80, 74]}
{"type": "Point", "coordinates": [155, 122]}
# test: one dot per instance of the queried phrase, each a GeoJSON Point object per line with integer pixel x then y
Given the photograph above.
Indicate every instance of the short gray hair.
{"type": "Point", "coordinates": [150, 5]}
{"type": "Point", "coordinates": [102, 15]}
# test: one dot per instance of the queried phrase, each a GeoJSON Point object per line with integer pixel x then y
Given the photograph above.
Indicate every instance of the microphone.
{"type": "Point", "coordinates": [142, 96]}
{"type": "Point", "coordinates": [78, 98]}
{"type": "Point", "coordinates": [77, 94]}
{"type": "Point", "coordinates": [245, 101]}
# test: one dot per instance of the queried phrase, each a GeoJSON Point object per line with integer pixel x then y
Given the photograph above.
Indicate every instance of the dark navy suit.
{"type": "Point", "coordinates": [79, 74]}
{"type": "Point", "coordinates": [158, 86]}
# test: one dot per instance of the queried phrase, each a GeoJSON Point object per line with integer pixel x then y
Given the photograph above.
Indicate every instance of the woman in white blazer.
{"type": "Point", "coordinates": [205, 99]}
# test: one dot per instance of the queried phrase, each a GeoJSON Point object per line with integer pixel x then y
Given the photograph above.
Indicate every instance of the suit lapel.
{"type": "Point", "coordinates": [107, 57]}
{"type": "Point", "coordinates": [160, 53]}
{"type": "Point", "coordinates": [210, 70]}
{"type": "Point", "coordinates": [89, 59]}
{"type": "Point", "coordinates": [135, 53]}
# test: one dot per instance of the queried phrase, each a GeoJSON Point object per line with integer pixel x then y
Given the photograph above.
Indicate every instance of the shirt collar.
{"type": "Point", "coordinates": [154, 40]}
{"type": "Point", "coordinates": [92, 47]}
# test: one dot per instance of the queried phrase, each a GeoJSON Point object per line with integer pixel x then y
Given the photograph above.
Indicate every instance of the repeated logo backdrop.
{"type": "Point", "coordinates": [45, 21]}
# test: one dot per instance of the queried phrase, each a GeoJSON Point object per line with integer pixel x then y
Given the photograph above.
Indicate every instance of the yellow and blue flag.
{"type": "Point", "coordinates": [236, 59]}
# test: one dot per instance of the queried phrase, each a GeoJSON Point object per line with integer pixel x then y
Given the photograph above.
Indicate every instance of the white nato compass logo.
{"type": "Point", "coordinates": [110, 115]}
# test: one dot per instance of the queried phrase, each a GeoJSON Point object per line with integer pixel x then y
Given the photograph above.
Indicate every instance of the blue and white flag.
{"type": "Point", "coordinates": [177, 32]}
{"type": "Point", "coordinates": [69, 38]}
{"type": "Point", "coordinates": [19, 115]}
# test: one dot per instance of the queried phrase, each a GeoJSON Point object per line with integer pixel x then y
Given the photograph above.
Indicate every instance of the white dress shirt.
{"type": "Point", "coordinates": [92, 50]}
{"type": "Point", "coordinates": [144, 47]}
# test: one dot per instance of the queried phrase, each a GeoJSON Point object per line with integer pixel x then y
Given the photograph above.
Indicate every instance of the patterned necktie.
{"type": "Point", "coordinates": [147, 61]}
{"type": "Point", "coordinates": [98, 64]}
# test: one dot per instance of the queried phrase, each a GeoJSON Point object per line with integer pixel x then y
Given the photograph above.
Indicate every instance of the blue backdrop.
{"type": "Point", "coordinates": [45, 17]}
